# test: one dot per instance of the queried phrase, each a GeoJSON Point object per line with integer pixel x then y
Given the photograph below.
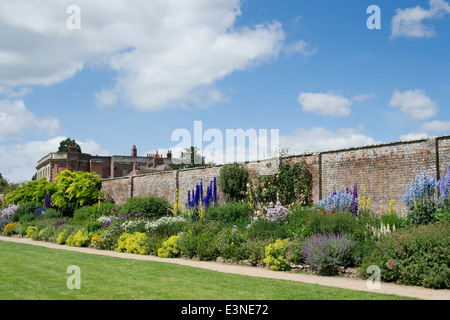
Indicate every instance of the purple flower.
{"type": "Point", "coordinates": [47, 202]}
{"type": "Point", "coordinates": [329, 250]}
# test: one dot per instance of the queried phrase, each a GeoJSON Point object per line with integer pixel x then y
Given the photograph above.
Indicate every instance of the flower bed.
{"type": "Point", "coordinates": [337, 236]}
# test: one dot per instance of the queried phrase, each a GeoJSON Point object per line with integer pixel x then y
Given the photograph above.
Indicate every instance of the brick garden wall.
{"type": "Point", "coordinates": [382, 168]}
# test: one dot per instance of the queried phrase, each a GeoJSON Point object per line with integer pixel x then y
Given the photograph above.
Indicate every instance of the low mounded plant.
{"type": "Point", "coordinates": [133, 243]}
{"type": "Point", "coordinates": [79, 239]}
{"type": "Point", "coordinates": [275, 255]}
{"type": "Point", "coordinates": [169, 248]}
{"type": "Point", "coordinates": [11, 228]}
{"type": "Point", "coordinates": [229, 213]}
{"type": "Point", "coordinates": [417, 255]}
{"type": "Point", "coordinates": [151, 207]}
{"type": "Point", "coordinates": [328, 251]}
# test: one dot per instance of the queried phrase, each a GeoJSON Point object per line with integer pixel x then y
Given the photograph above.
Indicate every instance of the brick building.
{"type": "Point", "coordinates": [105, 166]}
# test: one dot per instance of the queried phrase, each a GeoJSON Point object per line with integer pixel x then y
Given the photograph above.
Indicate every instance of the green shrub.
{"type": "Point", "coordinates": [291, 184]}
{"type": "Point", "coordinates": [421, 214]}
{"type": "Point", "coordinates": [44, 234]}
{"type": "Point", "coordinates": [26, 208]}
{"type": "Point", "coordinates": [323, 222]}
{"type": "Point", "coordinates": [45, 230]}
{"type": "Point", "coordinates": [52, 213]}
{"type": "Point", "coordinates": [24, 227]}
{"type": "Point", "coordinates": [200, 241]}
{"type": "Point", "coordinates": [233, 181]}
{"type": "Point", "coordinates": [86, 213]}
{"type": "Point", "coordinates": [443, 214]}
{"type": "Point", "coordinates": [169, 248]}
{"type": "Point", "coordinates": [93, 212]}
{"type": "Point", "coordinates": [418, 255]}
{"type": "Point", "coordinates": [229, 213]}
{"type": "Point", "coordinates": [151, 207]}
{"type": "Point", "coordinates": [263, 229]}
{"type": "Point", "coordinates": [393, 219]}
{"type": "Point", "coordinates": [255, 249]}
{"type": "Point", "coordinates": [275, 255]}
{"type": "Point", "coordinates": [26, 218]}
{"type": "Point", "coordinates": [206, 247]}
{"type": "Point", "coordinates": [188, 244]}
{"type": "Point", "coordinates": [229, 243]}
{"type": "Point", "coordinates": [94, 226]}
{"type": "Point", "coordinates": [295, 250]}
{"type": "Point", "coordinates": [133, 243]}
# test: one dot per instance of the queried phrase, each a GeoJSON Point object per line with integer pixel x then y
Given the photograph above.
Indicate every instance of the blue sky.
{"type": "Point", "coordinates": [134, 72]}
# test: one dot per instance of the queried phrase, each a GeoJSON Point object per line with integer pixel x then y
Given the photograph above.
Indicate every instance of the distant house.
{"type": "Point", "coordinates": [105, 166]}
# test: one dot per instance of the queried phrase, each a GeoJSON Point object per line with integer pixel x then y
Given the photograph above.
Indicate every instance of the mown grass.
{"type": "Point", "coordinates": [35, 273]}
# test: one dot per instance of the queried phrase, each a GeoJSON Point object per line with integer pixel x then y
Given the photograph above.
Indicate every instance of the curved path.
{"type": "Point", "coordinates": [346, 283]}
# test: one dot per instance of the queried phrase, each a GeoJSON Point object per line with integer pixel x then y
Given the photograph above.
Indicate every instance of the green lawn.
{"type": "Point", "coordinates": [37, 273]}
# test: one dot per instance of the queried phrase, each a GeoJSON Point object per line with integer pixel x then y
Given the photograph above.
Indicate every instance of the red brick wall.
{"type": "Point", "coordinates": [381, 168]}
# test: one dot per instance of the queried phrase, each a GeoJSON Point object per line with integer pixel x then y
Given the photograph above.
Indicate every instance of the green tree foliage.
{"type": "Point", "coordinates": [76, 189]}
{"type": "Point", "coordinates": [190, 158]}
{"type": "Point", "coordinates": [6, 186]}
{"type": "Point", "coordinates": [292, 183]}
{"type": "Point", "coordinates": [233, 181]}
{"type": "Point", "coordinates": [30, 191]}
{"type": "Point", "coordinates": [64, 145]}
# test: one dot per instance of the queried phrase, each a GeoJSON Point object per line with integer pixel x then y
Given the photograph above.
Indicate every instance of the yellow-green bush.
{"type": "Point", "coordinates": [169, 248]}
{"type": "Point", "coordinates": [30, 231]}
{"type": "Point", "coordinates": [275, 255]}
{"type": "Point", "coordinates": [62, 237]}
{"type": "Point", "coordinates": [133, 243]}
{"type": "Point", "coordinates": [79, 239]}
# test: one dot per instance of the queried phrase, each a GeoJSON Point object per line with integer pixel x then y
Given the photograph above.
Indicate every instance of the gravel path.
{"type": "Point", "coordinates": [346, 283]}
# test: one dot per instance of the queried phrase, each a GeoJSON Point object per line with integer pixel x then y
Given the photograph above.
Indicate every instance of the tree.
{"type": "Point", "coordinates": [30, 191]}
{"type": "Point", "coordinates": [6, 186]}
{"type": "Point", "coordinates": [233, 181]}
{"type": "Point", "coordinates": [189, 157]}
{"type": "Point", "coordinates": [64, 145]}
{"type": "Point", "coordinates": [76, 189]}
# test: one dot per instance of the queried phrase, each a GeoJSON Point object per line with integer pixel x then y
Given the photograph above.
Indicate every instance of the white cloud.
{"type": "Point", "coordinates": [15, 118]}
{"type": "Point", "coordinates": [409, 22]}
{"type": "Point", "coordinates": [415, 104]}
{"type": "Point", "coordinates": [436, 126]}
{"type": "Point", "coordinates": [413, 136]}
{"type": "Point", "coordinates": [10, 93]}
{"type": "Point", "coordinates": [321, 139]}
{"type": "Point", "coordinates": [329, 104]}
{"type": "Point", "coordinates": [18, 162]}
{"type": "Point", "coordinates": [105, 98]}
{"type": "Point", "coordinates": [300, 47]}
{"type": "Point", "coordinates": [427, 129]}
{"type": "Point", "coordinates": [162, 51]}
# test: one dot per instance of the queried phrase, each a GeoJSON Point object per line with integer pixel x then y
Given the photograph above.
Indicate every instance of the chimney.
{"type": "Point", "coordinates": [72, 148]}
{"type": "Point", "coordinates": [134, 152]}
